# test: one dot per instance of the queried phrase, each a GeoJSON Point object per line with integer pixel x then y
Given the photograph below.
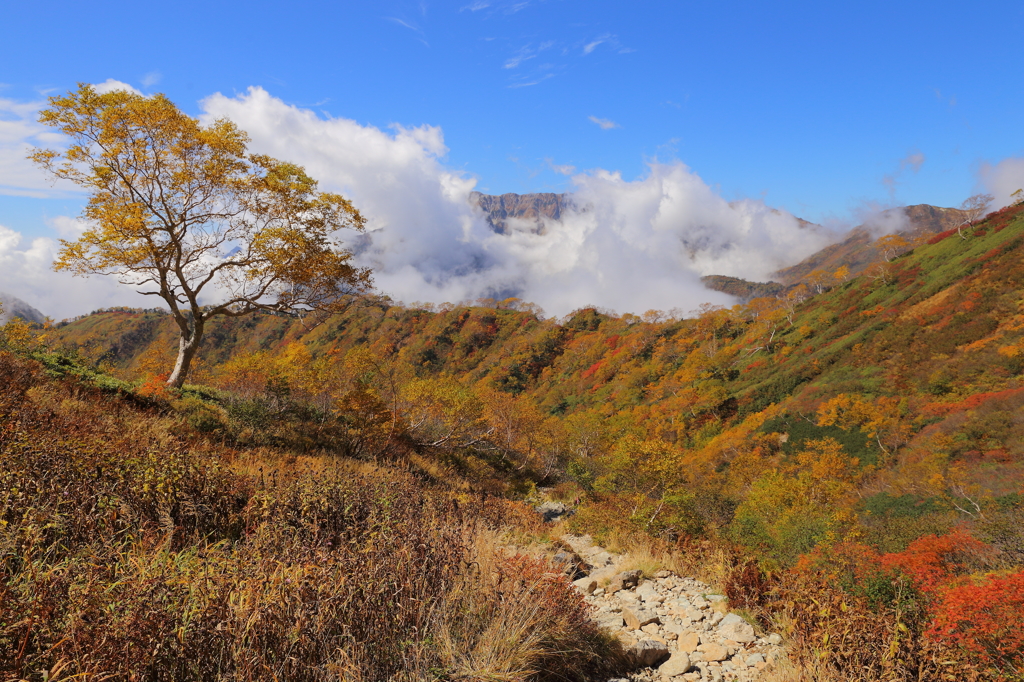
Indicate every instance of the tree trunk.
{"type": "Point", "coordinates": [188, 344]}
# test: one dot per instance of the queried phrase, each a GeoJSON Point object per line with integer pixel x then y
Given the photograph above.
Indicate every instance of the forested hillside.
{"type": "Point", "coordinates": [859, 442]}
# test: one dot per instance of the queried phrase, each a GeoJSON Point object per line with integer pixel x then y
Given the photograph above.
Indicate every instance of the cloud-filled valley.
{"type": "Point", "coordinates": [630, 245]}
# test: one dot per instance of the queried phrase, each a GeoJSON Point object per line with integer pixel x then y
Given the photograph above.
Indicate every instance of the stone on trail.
{"type": "Point", "coordinates": [649, 652]}
{"type": "Point", "coordinates": [612, 621]}
{"type": "Point", "coordinates": [713, 652]}
{"type": "Point", "coordinates": [599, 559]}
{"type": "Point", "coordinates": [775, 638]}
{"type": "Point", "coordinates": [754, 659]}
{"type": "Point", "coordinates": [688, 642]}
{"type": "Point", "coordinates": [553, 511]}
{"type": "Point", "coordinates": [677, 664]}
{"type": "Point", "coordinates": [735, 628]}
{"type": "Point", "coordinates": [586, 585]}
{"type": "Point", "coordinates": [649, 593]}
{"type": "Point", "coordinates": [636, 618]}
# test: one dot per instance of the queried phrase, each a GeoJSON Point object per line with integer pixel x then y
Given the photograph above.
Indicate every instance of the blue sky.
{"type": "Point", "coordinates": [817, 108]}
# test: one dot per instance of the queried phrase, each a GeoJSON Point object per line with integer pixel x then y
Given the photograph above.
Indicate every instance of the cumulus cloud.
{"type": "Point", "coordinates": [110, 85]}
{"type": "Point", "coordinates": [603, 123]}
{"type": "Point", "coordinates": [1003, 179]}
{"type": "Point", "coordinates": [631, 245]}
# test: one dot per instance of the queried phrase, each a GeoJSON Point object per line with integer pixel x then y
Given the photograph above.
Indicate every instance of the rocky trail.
{"type": "Point", "coordinates": [677, 628]}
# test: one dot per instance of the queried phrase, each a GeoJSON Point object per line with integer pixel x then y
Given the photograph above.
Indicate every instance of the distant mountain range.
{"type": "Point", "coordinates": [15, 307]}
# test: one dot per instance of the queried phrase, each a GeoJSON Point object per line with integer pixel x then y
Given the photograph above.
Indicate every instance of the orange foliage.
{"type": "Point", "coordinates": [155, 387]}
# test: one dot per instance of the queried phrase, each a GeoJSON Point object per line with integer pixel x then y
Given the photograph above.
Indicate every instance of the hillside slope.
{"type": "Point", "coordinates": [861, 449]}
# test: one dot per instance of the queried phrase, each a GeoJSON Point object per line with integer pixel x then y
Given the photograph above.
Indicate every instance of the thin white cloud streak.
{"type": "Point", "coordinates": [1003, 179]}
{"type": "Point", "coordinates": [603, 123]}
{"type": "Point", "coordinates": [593, 45]}
{"type": "Point", "coordinates": [19, 133]}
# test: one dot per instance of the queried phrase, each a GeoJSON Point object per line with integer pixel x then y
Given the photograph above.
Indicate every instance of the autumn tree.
{"type": "Point", "coordinates": [974, 208]}
{"type": "Point", "coordinates": [182, 211]}
{"type": "Point", "coordinates": [891, 245]}
{"type": "Point", "coordinates": [818, 280]}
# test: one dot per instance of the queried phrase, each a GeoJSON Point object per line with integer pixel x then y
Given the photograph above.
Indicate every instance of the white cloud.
{"type": "Point", "coordinates": [151, 78]}
{"type": "Point", "coordinates": [110, 85]}
{"type": "Point", "coordinates": [604, 123]}
{"type": "Point", "coordinates": [912, 162]}
{"type": "Point", "coordinates": [591, 46]}
{"type": "Point", "coordinates": [26, 272]}
{"type": "Point", "coordinates": [561, 169]}
{"type": "Point", "coordinates": [633, 245]}
{"type": "Point", "coordinates": [1003, 179]}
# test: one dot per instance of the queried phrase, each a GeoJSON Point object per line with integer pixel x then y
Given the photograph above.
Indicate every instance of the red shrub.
{"type": "Point", "coordinates": [987, 620]}
{"type": "Point", "coordinates": [932, 561]}
{"type": "Point", "coordinates": [942, 235]}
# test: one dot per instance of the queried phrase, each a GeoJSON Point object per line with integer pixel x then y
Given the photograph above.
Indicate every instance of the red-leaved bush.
{"type": "Point", "coordinates": [932, 561]}
{"type": "Point", "coordinates": [985, 619]}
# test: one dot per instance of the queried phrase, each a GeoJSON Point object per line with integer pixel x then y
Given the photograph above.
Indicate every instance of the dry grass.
{"type": "Point", "coordinates": [512, 617]}
{"type": "Point", "coordinates": [131, 549]}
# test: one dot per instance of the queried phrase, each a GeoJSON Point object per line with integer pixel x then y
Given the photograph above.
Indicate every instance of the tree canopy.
{"type": "Point", "coordinates": [182, 211]}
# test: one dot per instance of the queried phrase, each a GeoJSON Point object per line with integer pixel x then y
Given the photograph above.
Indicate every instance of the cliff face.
{"type": "Point", "coordinates": [529, 210]}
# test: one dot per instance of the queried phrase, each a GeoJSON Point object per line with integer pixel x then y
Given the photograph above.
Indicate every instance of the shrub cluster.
{"type": "Point", "coordinates": [132, 550]}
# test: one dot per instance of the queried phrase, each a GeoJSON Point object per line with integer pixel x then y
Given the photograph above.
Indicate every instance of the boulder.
{"type": "Point", "coordinates": [553, 511]}
{"type": "Point", "coordinates": [754, 659]}
{"type": "Point", "coordinates": [612, 621]}
{"type": "Point", "coordinates": [735, 628]}
{"type": "Point", "coordinates": [649, 652]}
{"type": "Point", "coordinates": [649, 593]}
{"type": "Point", "coordinates": [624, 580]}
{"type": "Point", "coordinates": [677, 664]}
{"type": "Point", "coordinates": [571, 563]}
